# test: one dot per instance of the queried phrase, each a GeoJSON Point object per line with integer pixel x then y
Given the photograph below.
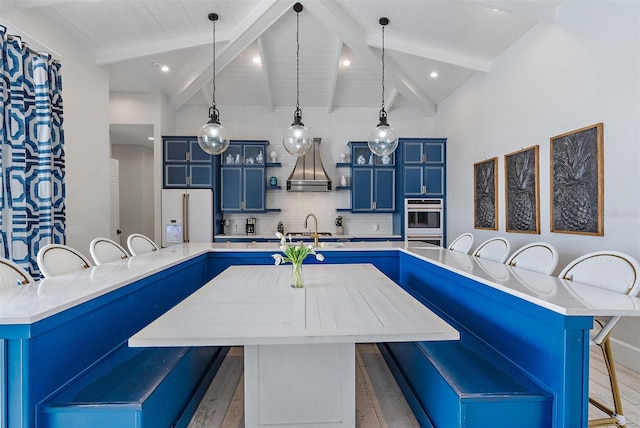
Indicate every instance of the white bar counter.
{"type": "Point", "coordinates": [31, 303]}
{"type": "Point", "coordinates": [558, 295]}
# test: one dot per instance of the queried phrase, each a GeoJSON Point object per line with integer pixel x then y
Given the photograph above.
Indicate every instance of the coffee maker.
{"type": "Point", "coordinates": [250, 227]}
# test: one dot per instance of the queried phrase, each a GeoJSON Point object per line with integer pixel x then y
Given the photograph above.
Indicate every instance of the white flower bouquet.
{"type": "Point", "coordinates": [294, 254]}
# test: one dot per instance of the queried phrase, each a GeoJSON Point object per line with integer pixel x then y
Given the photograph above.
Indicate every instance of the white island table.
{"type": "Point", "coordinates": [299, 343]}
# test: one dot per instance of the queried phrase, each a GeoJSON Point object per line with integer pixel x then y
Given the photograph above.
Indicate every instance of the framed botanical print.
{"type": "Point", "coordinates": [577, 163]}
{"type": "Point", "coordinates": [522, 191]}
{"type": "Point", "coordinates": [485, 206]}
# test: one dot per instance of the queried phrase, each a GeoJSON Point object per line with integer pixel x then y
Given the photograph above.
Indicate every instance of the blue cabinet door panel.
{"type": "Point", "coordinates": [255, 185]}
{"type": "Point", "coordinates": [434, 152]}
{"type": "Point", "coordinates": [231, 185]}
{"type": "Point", "coordinates": [385, 184]}
{"type": "Point", "coordinates": [201, 175]}
{"type": "Point", "coordinates": [197, 154]}
{"type": "Point", "coordinates": [175, 175]}
{"type": "Point", "coordinates": [434, 178]}
{"type": "Point", "coordinates": [413, 180]}
{"type": "Point", "coordinates": [176, 150]}
{"type": "Point", "coordinates": [362, 185]}
{"type": "Point", "coordinates": [412, 152]}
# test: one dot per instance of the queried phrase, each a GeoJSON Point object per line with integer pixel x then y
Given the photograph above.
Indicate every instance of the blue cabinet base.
{"type": "Point", "coordinates": [136, 387]}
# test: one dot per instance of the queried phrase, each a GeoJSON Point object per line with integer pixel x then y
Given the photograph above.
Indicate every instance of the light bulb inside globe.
{"type": "Point", "coordinates": [212, 137]}
{"type": "Point", "coordinates": [297, 139]}
{"type": "Point", "coordinates": [383, 140]}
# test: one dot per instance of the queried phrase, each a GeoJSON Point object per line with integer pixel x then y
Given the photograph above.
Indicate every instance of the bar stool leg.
{"type": "Point", "coordinates": [616, 415]}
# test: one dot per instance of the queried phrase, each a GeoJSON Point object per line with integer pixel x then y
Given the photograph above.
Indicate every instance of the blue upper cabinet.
{"type": "Point", "coordinates": [243, 176]}
{"type": "Point", "coordinates": [423, 167]}
{"type": "Point", "coordinates": [186, 164]}
{"type": "Point", "coordinates": [373, 180]}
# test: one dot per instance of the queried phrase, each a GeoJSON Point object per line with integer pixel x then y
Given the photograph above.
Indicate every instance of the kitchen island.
{"type": "Point", "coordinates": [299, 356]}
{"type": "Point", "coordinates": [52, 330]}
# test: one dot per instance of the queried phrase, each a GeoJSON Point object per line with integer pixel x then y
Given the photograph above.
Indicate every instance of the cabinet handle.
{"type": "Point", "coordinates": [373, 205]}
{"type": "Point", "coordinates": [242, 205]}
{"type": "Point", "coordinates": [188, 155]}
{"type": "Point", "coordinates": [424, 190]}
{"type": "Point", "coordinates": [424, 157]}
{"type": "Point", "coordinates": [188, 180]}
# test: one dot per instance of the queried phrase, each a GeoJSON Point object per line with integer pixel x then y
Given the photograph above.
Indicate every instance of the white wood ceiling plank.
{"type": "Point", "coordinates": [544, 11]}
{"type": "Point", "coordinates": [30, 4]}
{"type": "Point", "coordinates": [254, 24]}
{"type": "Point", "coordinates": [352, 35]}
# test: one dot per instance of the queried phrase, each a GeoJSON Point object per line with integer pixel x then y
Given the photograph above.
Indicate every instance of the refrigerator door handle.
{"type": "Point", "coordinates": [185, 217]}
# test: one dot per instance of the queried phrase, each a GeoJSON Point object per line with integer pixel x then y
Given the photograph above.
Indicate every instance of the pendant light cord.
{"type": "Point", "coordinates": [213, 100]}
{"type": "Point", "coordinates": [297, 62]}
{"type": "Point", "coordinates": [382, 69]}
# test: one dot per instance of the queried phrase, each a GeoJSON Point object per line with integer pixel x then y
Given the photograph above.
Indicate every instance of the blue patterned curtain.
{"type": "Point", "coordinates": [32, 210]}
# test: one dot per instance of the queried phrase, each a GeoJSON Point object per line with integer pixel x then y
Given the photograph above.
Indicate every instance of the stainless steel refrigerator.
{"type": "Point", "coordinates": [187, 216]}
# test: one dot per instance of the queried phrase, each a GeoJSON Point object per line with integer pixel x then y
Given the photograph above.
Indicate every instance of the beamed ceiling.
{"type": "Point", "coordinates": [456, 39]}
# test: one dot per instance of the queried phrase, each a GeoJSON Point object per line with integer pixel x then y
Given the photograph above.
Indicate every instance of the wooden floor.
{"type": "Point", "coordinates": [379, 402]}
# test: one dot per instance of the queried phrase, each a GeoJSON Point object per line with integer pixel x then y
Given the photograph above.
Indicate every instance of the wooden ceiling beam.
{"type": "Point", "coordinates": [347, 30]}
{"type": "Point", "coordinates": [111, 56]}
{"type": "Point", "coordinates": [420, 50]}
{"type": "Point", "coordinates": [266, 75]}
{"type": "Point", "coordinates": [334, 76]}
{"type": "Point", "coordinates": [261, 17]}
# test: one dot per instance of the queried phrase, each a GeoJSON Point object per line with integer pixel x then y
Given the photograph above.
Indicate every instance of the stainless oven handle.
{"type": "Point", "coordinates": [430, 208]}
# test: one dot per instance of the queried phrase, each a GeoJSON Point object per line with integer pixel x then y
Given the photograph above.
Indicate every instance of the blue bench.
{"type": "Point", "coordinates": [135, 387]}
{"type": "Point", "coordinates": [466, 384]}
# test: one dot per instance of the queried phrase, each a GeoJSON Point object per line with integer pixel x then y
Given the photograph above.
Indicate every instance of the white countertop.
{"type": "Point", "coordinates": [553, 293]}
{"type": "Point", "coordinates": [31, 303]}
{"type": "Point", "coordinates": [255, 305]}
{"type": "Point", "coordinates": [308, 238]}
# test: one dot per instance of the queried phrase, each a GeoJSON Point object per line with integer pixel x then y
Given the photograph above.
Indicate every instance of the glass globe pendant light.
{"type": "Point", "coordinates": [383, 140]}
{"type": "Point", "coordinates": [297, 139]}
{"type": "Point", "coordinates": [212, 137]}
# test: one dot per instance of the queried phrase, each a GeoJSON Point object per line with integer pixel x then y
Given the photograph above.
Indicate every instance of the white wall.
{"type": "Point", "coordinates": [336, 129]}
{"type": "Point", "coordinates": [136, 188]}
{"type": "Point", "coordinates": [85, 94]}
{"type": "Point", "coordinates": [146, 108]}
{"type": "Point", "coordinates": [580, 70]}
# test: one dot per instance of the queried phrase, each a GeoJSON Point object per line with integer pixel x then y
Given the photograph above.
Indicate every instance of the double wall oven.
{"type": "Point", "coordinates": [423, 221]}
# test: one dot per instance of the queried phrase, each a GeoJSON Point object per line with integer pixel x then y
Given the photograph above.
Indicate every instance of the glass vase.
{"type": "Point", "coordinates": [297, 280]}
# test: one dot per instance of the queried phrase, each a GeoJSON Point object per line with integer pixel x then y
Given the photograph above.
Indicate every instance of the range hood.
{"type": "Point", "coordinates": [309, 175]}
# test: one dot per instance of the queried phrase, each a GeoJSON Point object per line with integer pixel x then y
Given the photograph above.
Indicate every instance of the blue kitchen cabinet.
{"type": "Point", "coordinates": [423, 167]}
{"type": "Point", "coordinates": [373, 180]}
{"type": "Point", "coordinates": [243, 176]}
{"type": "Point", "coordinates": [186, 164]}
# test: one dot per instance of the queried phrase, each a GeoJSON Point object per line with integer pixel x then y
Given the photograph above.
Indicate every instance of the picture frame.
{"type": "Point", "coordinates": [485, 184]}
{"type": "Point", "coordinates": [522, 191]}
{"type": "Point", "coordinates": [577, 181]}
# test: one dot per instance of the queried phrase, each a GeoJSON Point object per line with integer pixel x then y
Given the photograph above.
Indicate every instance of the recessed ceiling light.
{"type": "Point", "coordinates": [496, 10]}
{"type": "Point", "coordinates": [256, 60]}
{"type": "Point", "coordinates": [150, 138]}
{"type": "Point", "coordinates": [434, 74]}
{"type": "Point", "coordinates": [346, 63]}
{"type": "Point", "coordinates": [165, 68]}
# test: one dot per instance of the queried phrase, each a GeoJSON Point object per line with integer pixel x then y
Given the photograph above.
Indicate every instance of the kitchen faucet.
{"type": "Point", "coordinates": [315, 235]}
